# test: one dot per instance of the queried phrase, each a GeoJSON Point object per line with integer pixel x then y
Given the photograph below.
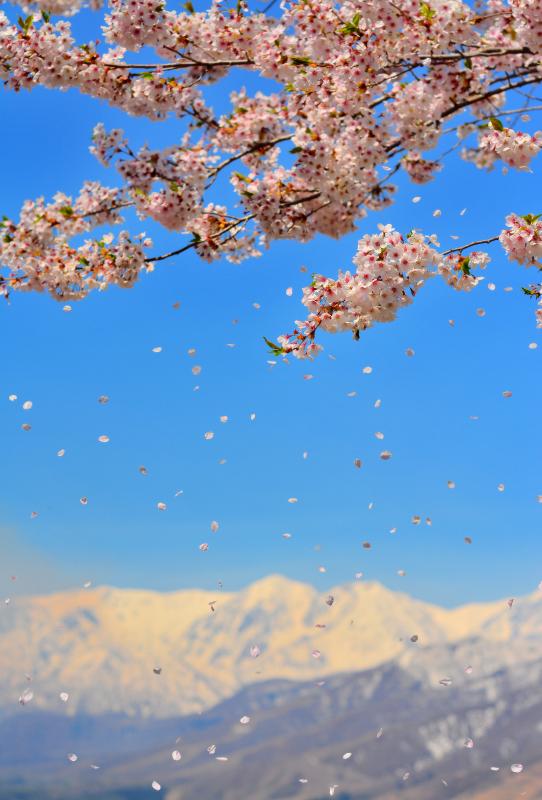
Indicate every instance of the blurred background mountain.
{"type": "Point", "coordinates": [275, 691]}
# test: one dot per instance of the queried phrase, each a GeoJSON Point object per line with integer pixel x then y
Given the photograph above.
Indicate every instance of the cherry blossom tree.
{"type": "Point", "coordinates": [361, 91]}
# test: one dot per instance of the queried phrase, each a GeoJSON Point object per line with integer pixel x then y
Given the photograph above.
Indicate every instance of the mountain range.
{"type": "Point", "coordinates": [282, 680]}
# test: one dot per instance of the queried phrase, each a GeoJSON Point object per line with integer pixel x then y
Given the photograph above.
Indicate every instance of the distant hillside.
{"type": "Point", "coordinates": [405, 738]}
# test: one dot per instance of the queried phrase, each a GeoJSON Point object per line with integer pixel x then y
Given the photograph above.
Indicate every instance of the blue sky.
{"type": "Point", "coordinates": [64, 361]}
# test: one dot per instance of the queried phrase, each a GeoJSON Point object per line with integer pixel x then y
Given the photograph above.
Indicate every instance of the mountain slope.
{"type": "Point", "coordinates": [103, 645]}
{"type": "Point", "coordinates": [404, 737]}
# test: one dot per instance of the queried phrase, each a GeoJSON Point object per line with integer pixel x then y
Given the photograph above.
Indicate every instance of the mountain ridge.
{"type": "Point", "coordinates": [158, 654]}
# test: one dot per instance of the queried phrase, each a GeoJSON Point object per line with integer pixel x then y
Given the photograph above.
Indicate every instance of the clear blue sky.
{"type": "Point", "coordinates": [64, 361]}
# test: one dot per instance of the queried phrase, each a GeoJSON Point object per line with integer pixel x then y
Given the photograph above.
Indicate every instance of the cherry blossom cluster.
{"type": "Point", "coordinates": [513, 147]}
{"type": "Point", "coordinates": [390, 270]}
{"type": "Point", "coordinates": [38, 254]}
{"type": "Point", "coordinates": [522, 239]}
{"type": "Point", "coordinates": [351, 92]}
{"type": "Point", "coordinates": [419, 170]}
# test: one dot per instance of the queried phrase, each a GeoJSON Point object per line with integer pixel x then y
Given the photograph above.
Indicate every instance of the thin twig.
{"type": "Point", "coordinates": [469, 245]}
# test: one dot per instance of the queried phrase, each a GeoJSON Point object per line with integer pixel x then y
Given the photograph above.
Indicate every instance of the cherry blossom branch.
{"type": "Point", "coordinates": [471, 244]}
{"type": "Point", "coordinates": [190, 64]}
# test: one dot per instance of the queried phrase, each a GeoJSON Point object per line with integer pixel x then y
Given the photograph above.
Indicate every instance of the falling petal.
{"type": "Point", "coordinates": [176, 755]}
{"type": "Point", "coordinates": [26, 697]}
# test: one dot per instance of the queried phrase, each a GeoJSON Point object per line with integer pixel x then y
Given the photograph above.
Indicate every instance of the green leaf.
{"type": "Point", "coordinates": [496, 124]}
{"type": "Point", "coordinates": [296, 150]}
{"type": "Point", "coordinates": [464, 264]}
{"type": "Point", "coordinates": [300, 61]}
{"type": "Point", "coordinates": [189, 7]}
{"type": "Point", "coordinates": [26, 24]}
{"type": "Point", "coordinates": [274, 348]}
{"type": "Point", "coordinates": [148, 76]}
{"type": "Point", "coordinates": [468, 63]}
{"type": "Point", "coordinates": [426, 12]}
{"type": "Point", "coordinates": [45, 16]}
{"type": "Point", "coordinates": [290, 87]}
{"type": "Point", "coordinates": [66, 211]}
{"type": "Point", "coordinates": [530, 218]}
